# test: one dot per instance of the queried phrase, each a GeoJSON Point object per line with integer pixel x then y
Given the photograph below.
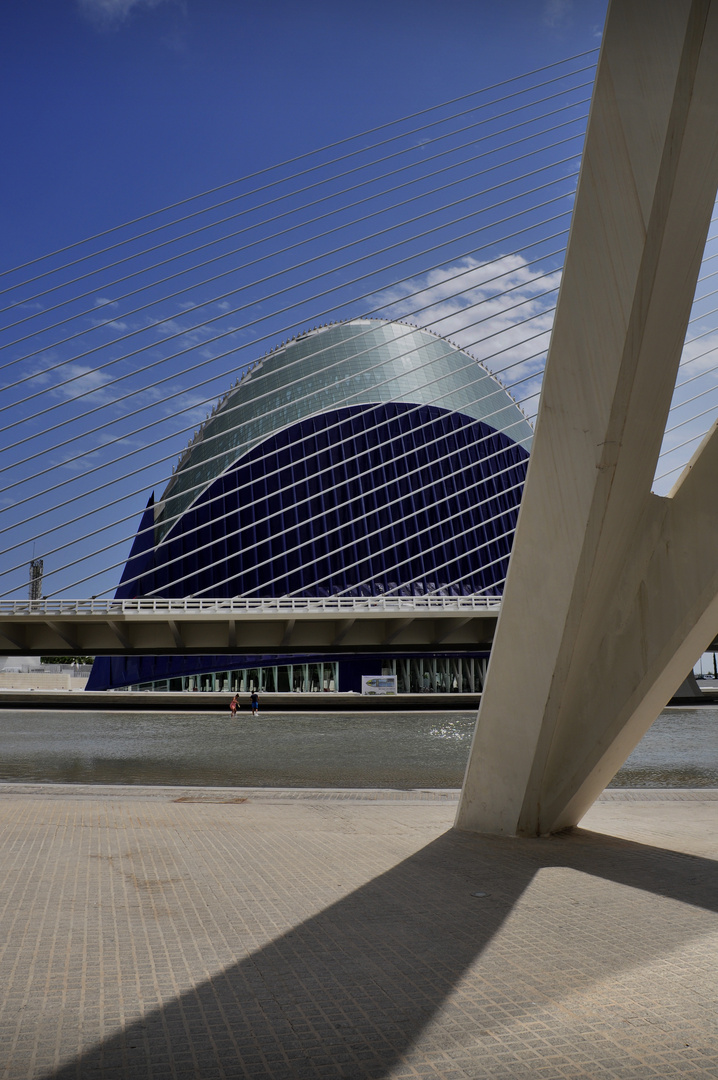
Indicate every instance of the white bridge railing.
{"type": "Point", "coordinates": [245, 605]}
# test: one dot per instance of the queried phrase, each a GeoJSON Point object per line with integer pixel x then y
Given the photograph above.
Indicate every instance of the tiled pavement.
{"type": "Point", "coordinates": [164, 933]}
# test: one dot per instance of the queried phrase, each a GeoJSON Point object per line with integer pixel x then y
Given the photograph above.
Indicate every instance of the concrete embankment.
{"type": "Point", "coordinates": [148, 700]}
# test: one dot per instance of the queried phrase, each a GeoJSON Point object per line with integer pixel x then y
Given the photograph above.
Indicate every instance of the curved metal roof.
{"type": "Point", "coordinates": [363, 361]}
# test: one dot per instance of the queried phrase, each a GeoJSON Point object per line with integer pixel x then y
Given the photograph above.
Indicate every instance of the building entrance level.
{"type": "Point", "coordinates": [414, 675]}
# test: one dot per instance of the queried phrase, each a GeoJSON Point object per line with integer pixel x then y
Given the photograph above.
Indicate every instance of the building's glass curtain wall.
{"type": "Point", "coordinates": [415, 675]}
{"type": "Point", "coordinates": [274, 678]}
{"type": "Point", "coordinates": [333, 506]}
{"type": "Point", "coordinates": [413, 487]}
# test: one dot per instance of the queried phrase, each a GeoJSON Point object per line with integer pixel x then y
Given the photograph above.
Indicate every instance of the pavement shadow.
{"type": "Point", "coordinates": [347, 993]}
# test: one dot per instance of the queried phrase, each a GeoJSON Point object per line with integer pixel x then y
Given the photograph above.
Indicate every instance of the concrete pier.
{"type": "Point", "coordinates": [612, 590]}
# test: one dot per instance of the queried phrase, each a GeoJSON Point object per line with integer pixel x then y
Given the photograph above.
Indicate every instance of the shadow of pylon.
{"type": "Point", "coordinates": [348, 992]}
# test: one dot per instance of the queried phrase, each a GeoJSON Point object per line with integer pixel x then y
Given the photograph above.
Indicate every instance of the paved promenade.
{"type": "Point", "coordinates": [164, 932]}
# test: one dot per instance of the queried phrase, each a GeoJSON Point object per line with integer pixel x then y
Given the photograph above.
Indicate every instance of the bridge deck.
{"type": "Point", "coordinates": [248, 626]}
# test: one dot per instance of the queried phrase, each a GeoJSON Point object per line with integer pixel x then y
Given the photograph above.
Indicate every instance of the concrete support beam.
{"type": "Point", "coordinates": [343, 628]}
{"type": "Point", "coordinates": [612, 592]}
{"type": "Point", "coordinates": [119, 634]}
{"type": "Point", "coordinates": [396, 630]}
{"type": "Point", "coordinates": [14, 637]}
{"type": "Point", "coordinates": [64, 634]}
{"type": "Point", "coordinates": [451, 631]}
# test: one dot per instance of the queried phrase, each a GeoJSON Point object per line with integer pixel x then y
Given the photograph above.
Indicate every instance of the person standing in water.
{"type": "Point", "coordinates": [255, 703]}
{"type": "Point", "coordinates": [234, 705]}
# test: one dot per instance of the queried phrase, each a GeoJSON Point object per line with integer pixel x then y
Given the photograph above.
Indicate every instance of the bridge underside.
{"type": "Point", "coordinates": [287, 633]}
{"type": "Point", "coordinates": [612, 592]}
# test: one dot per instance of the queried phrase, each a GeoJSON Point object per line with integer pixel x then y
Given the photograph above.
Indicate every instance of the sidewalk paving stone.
{"type": "Point", "coordinates": [333, 934]}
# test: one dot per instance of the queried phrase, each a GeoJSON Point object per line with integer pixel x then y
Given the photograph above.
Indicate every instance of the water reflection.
{"type": "Point", "coordinates": [399, 750]}
{"type": "Point", "coordinates": [679, 750]}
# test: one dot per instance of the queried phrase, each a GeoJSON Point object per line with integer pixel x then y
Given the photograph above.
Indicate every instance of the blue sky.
{"type": "Point", "coordinates": [116, 108]}
{"type": "Point", "coordinates": [113, 108]}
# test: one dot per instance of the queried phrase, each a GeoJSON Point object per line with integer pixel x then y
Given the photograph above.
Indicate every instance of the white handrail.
{"type": "Point", "coordinates": [245, 605]}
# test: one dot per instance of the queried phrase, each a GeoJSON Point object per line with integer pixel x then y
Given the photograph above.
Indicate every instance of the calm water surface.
{"type": "Point", "coordinates": [399, 750]}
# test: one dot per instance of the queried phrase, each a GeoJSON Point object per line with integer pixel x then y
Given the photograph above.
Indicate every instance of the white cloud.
{"type": "Point", "coordinates": [694, 408]}
{"type": "Point", "coordinates": [111, 324]}
{"type": "Point", "coordinates": [557, 12]}
{"type": "Point", "coordinates": [36, 373]}
{"type": "Point", "coordinates": [699, 354]}
{"type": "Point", "coordinates": [80, 380]}
{"type": "Point", "coordinates": [78, 463]}
{"type": "Point", "coordinates": [191, 407]}
{"type": "Point", "coordinates": [500, 312]}
{"type": "Point", "coordinates": [106, 13]}
{"type": "Point", "coordinates": [187, 337]}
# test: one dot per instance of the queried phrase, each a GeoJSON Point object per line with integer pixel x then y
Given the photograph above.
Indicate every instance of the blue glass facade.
{"type": "Point", "coordinates": [405, 497]}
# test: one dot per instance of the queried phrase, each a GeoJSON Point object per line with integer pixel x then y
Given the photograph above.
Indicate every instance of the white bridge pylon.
{"type": "Point", "coordinates": [632, 577]}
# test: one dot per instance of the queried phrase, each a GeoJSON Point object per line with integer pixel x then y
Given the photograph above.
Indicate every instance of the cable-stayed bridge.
{"type": "Point", "coordinates": [454, 219]}
{"type": "Point", "coordinates": [332, 625]}
{"type": "Point", "coordinates": [455, 222]}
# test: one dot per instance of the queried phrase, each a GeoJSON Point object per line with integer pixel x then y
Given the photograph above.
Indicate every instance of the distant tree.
{"type": "Point", "coordinates": [66, 659]}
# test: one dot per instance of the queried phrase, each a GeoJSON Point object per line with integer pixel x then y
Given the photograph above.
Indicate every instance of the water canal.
{"type": "Point", "coordinates": [397, 750]}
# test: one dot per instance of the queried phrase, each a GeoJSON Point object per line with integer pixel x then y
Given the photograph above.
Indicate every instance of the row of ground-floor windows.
{"type": "Point", "coordinates": [414, 675]}
{"type": "Point", "coordinates": [281, 679]}
{"type": "Point", "coordinates": [437, 674]}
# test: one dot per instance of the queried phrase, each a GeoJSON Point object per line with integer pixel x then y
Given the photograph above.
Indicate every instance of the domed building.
{"type": "Point", "coordinates": [362, 458]}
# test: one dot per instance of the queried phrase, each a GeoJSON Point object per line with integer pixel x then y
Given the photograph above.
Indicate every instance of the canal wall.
{"type": "Point", "coordinates": [186, 701]}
